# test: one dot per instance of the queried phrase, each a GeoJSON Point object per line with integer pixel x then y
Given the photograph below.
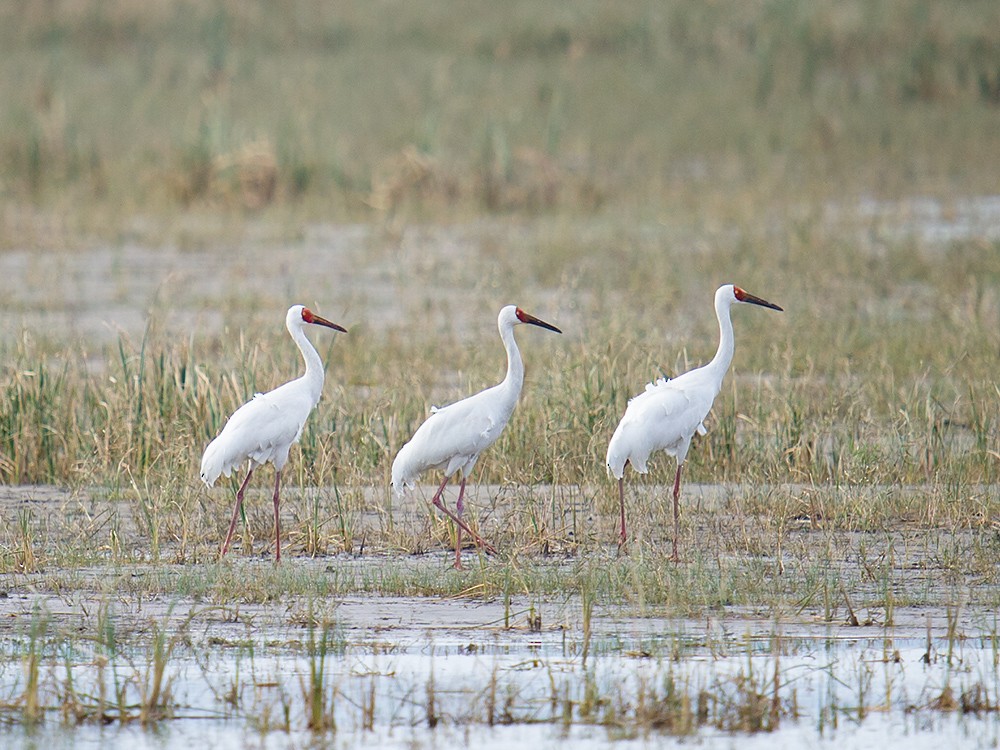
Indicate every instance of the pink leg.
{"type": "Point", "coordinates": [236, 512]}
{"type": "Point", "coordinates": [622, 537]}
{"type": "Point", "coordinates": [436, 501]}
{"type": "Point", "coordinates": [459, 507]}
{"type": "Point", "coordinates": [677, 511]}
{"type": "Point", "coordinates": [277, 526]}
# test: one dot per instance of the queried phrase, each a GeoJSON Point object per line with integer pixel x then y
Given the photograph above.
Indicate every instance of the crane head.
{"type": "Point", "coordinates": [308, 316]}
{"type": "Point", "coordinates": [745, 296]}
{"type": "Point", "coordinates": [524, 317]}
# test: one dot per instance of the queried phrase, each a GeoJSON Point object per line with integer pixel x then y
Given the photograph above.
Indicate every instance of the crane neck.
{"type": "Point", "coordinates": [314, 374]}
{"type": "Point", "coordinates": [514, 379]}
{"type": "Point", "coordinates": [724, 354]}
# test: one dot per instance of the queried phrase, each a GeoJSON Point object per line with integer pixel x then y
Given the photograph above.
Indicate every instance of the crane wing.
{"type": "Point", "coordinates": [456, 431]}
{"type": "Point", "coordinates": [664, 417]}
{"type": "Point", "coordinates": [261, 430]}
{"type": "Point", "coordinates": [451, 438]}
{"type": "Point", "coordinates": [678, 408]}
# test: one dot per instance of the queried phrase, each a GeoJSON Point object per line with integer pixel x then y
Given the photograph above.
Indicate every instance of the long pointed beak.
{"type": "Point", "coordinates": [317, 320]}
{"type": "Point", "coordinates": [526, 318]}
{"type": "Point", "coordinates": [747, 297]}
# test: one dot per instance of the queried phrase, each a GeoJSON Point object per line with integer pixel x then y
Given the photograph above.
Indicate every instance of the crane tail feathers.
{"type": "Point", "coordinates": [404, 473]}
{"type": "Point", "coordinates": [214, 464]}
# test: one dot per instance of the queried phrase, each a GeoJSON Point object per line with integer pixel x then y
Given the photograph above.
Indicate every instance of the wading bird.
{"type": "Point", "coordinates": [453, 436]}
{"type": "Point", "coordinates": [264, 428]}
{"type": "Point", "coordinates": [669, 412]}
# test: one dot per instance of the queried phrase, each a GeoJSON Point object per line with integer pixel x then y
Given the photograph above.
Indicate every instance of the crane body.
{"type": "Point", "coordinates": [265, 428]}
{"type": "Point", "coordinates": [666, 416]}
{"type": "Point", "coordinates": [453, 437]}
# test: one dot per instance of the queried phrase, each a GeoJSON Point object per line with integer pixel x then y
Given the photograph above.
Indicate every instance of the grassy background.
{"type": "Point", "coordinates": [605, 165]}
{"type": "Point", "coordinates": [344, 110]}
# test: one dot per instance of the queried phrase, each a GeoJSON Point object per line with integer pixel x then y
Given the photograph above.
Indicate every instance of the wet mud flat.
{"type": "Point", "coordinates": [148, 653]}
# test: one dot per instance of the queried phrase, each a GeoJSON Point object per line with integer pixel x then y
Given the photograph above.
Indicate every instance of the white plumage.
{"type": "Point", "coordinates": [453, 437]}
{"type": "Point", "coordinates": [669, 412]}
{"type": "Point", "coordinates": [664, 417]}
{"type": "Point", "coordinates": [265, 428]}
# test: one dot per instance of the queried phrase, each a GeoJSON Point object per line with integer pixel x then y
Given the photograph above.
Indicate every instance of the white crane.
{"type": "Point", "coordinates": [667, 415]}
{"type": "Point", "coordinates": [453, 436]}
{"type": "Point", "coordinates": [264, 428]}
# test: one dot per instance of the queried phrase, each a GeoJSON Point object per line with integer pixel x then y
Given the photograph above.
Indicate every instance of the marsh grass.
{"type": "Point", "coordinates": [32, 705]}
{"type": "Point", "coordinates": [859, 578]}
{"type": "Point", "coordinates": [318, 695]}
{"type": "Point", "coordinates": [139, 427]}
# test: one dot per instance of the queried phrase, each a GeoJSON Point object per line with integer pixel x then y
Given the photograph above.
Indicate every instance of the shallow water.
{"type": "Point", "coordinates": [394, 667]}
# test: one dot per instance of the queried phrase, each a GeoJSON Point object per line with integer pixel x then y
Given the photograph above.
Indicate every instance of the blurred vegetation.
{"type": "Point", "coordinates": [346, 110]}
